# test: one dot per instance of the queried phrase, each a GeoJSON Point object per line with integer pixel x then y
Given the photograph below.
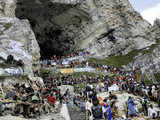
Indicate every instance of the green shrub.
{"type": "Point", "coordinates": [50, 72]}
{"type": "Point", "coordinates": [117, 61]}
{"type": "Point", "coordinates": [7, 26]}
{"type": "Point", "coordinates": [157, 76]}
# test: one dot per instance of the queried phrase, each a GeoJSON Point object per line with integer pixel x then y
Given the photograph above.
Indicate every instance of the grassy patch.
{"type": "Point", "coordinates": [7, 26]}
{"type": "Point", "coordinates": [82, 85]}
{"type": "Point", "coordinates": [157, 76]}
{"type": "Point", "coordinates": [118, 61]}
{"type": "Point", "coordinates": [50, 72]}
{"type": "Point", "coordinates": [93, 75]}
{"type": "Point", "coordinates": [150, 49]}
{"type": "Point", "coordinates": [148, 82]}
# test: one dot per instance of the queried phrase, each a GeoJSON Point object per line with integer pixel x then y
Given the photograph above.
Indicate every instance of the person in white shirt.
{"type": "Point", "coordinates": [91, 86]}
{"type": "Point", "coordinates": [88, 107]}
{"type": "Point", "coordinates": [152, 112]}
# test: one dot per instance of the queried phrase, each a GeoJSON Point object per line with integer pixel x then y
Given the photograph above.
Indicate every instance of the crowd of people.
{"type": "Point", "coordinates": [40, 97]}
{"type": "Point", "coordinates": [125, 81]}
{"type": "Point", "coordinates": [70, 60]}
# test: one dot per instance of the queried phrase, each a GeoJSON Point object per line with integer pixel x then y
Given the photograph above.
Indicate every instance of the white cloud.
{"type": "Point", "coordinates": [152, 13]}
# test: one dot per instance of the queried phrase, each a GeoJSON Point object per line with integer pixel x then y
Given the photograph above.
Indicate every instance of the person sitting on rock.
{"type": "Point", "coordinates": [20, 63]}
{"type": "Point", "coordinates": [10, 59]}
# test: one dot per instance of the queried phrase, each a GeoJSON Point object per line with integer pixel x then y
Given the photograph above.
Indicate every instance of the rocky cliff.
{"type": "Point", "coordinates": [105, 27]}
{"type": "Point", "coordinates": [17, 38]}
{"type": "Point", "coordinates": [149, 61]}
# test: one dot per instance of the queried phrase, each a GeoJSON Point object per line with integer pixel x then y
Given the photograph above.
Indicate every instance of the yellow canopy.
{"type": "Point", "coordinates": [66, 71]}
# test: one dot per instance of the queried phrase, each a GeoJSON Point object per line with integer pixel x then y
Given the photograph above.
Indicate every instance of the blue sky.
{"type": "Point", "coordinates": [141, 5]}
{"type": "Point", "coordinates": [149, 9]}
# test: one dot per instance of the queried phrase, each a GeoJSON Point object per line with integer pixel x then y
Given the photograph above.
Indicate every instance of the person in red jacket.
{"type": "Point", "coordinates": [51, 99]}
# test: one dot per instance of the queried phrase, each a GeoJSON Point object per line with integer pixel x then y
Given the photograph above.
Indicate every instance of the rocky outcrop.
{"type": "Point", "coordinates": [156, 30]}
{"type": "Point", "coordinates": [17, 38]}
{"type": "Point", "coordinates": [123, 29]}
{"type": "Point", "coordinates": [150, 61]}
{"type": "Point", "coordinates": [7, 8]}
{"type": "Point", "coordinates": [104, 27]}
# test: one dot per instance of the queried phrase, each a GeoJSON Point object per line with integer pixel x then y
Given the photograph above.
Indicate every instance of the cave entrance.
{"type": "Point", "coordinates": [55, 25]}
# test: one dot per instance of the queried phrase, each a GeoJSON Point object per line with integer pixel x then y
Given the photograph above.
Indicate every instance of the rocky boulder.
{"type": "Point", "coordinates": [17, 38]}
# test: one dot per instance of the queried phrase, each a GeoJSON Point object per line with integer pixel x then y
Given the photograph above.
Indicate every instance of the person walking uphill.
{"type": "Point", "coordinates": [106, 111]}
{"type": "Point", "coordinates": [144, 106]}
{"type": "Point", "coordinates": [97, 111]}
{"type": "Point", "coordinates": [130, 106]}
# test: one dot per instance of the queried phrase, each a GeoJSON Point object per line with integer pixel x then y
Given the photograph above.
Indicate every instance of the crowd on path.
{"type": "Point", "coordinates": [113, 78]}
{"type": "Point", "coordinates": [71, 60]}
{"type": "Point", "coordinates": [123, 81]}
{"type": "Point", "coordinates": [34, 98]}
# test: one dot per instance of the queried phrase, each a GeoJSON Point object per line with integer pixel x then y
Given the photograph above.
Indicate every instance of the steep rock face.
{"type": "Point", "coordinates": [104, 27]}
{"type": "Point", "coordinates": [17, 39]}
{"type": "Point", "coordinates": [150, 62]}
{"type": "Point", "coordinates": [156, 30]}
{"type": "Point", "coordinates": [122, 29]}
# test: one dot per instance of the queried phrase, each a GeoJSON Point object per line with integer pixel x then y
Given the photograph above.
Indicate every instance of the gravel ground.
{"type": "Point", "coordinates": [76, 113]}
{"type": "Point", "coordinates": [43, 117]}
{"type": "Point", "coordinates": [51, 116]}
